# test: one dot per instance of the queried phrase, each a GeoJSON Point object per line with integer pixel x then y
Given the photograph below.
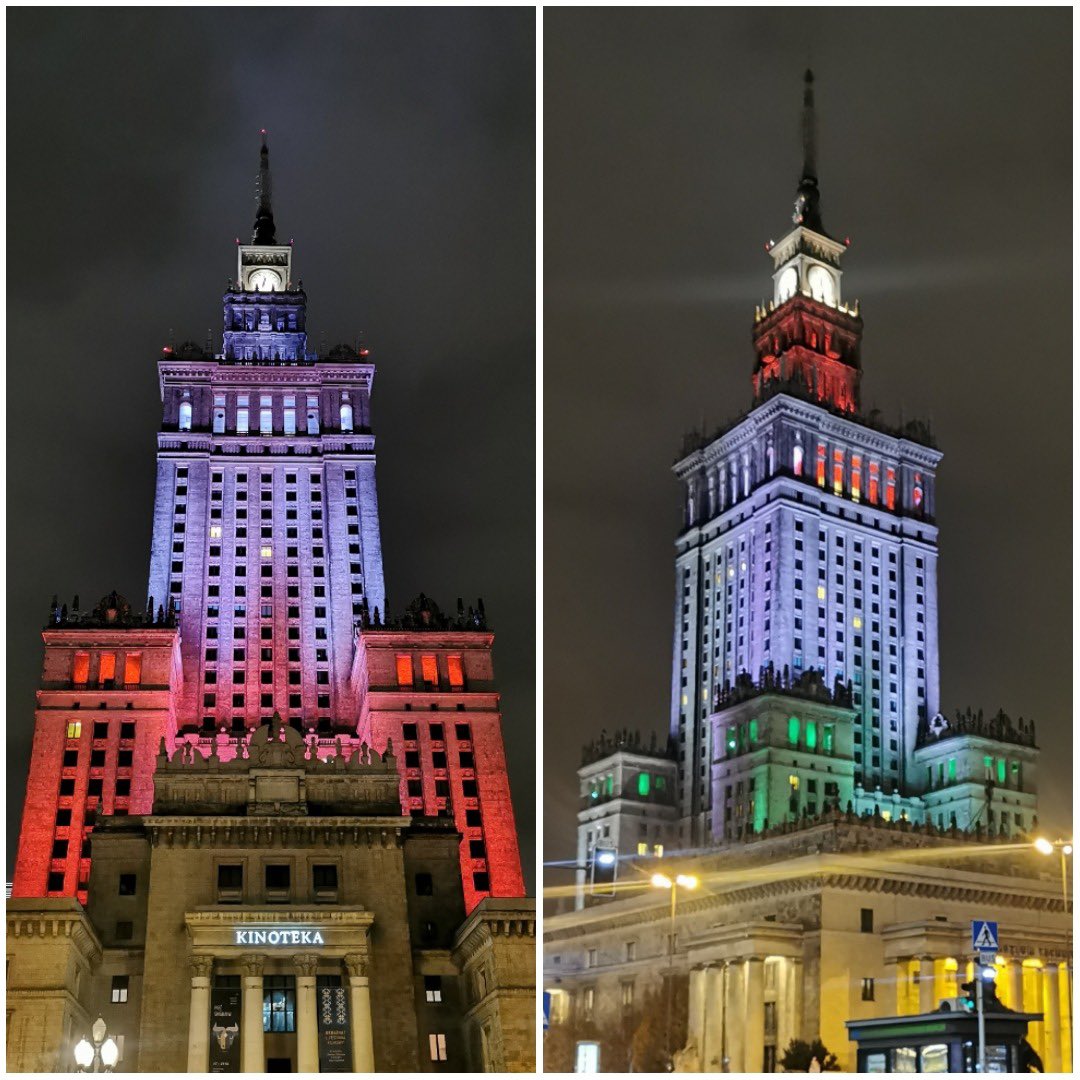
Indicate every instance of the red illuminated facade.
{"type": "Point", "coordinates": [266, 597]}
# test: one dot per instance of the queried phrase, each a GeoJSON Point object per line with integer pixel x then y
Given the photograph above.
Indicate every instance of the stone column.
{"type": "Point", "coordinates": [901, 986]}
{"type": "Point", "coordinates": [712, 1044]}
{"type": "Point", "coordinates": [363, 1048]}
{"type": "Point", "coordinates": [198, 1060]}
{"type": "Point", "coordinates": [696, 1004]}
{"type": "Point", "coordinates": [795, 978]}
{"type": "Point", "coordinates": [1052, 995]}
{"type": "Point", "coordinates": [734, 1009]}
{"type": "Point", "coordinates": [307, 1022]}
{"type": "Point", "coordinates": [253, 1051]}
{"type": "Point", "coordinates": [1016, 985]}
{"type": "Point", "coordinates": [926, 984]}
{"type": "Point", "coordinates": [754, 1058]}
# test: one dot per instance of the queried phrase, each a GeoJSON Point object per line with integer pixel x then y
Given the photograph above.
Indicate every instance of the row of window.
{"type": "Point", "coordinates": [247, 407]}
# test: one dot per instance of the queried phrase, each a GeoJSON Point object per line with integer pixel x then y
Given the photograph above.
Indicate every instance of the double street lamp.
{"type": "Point", "coordinates": [680, 881]}
{"type": "Point", "coordinates": [101, 1055]}
{"type": "Point", "coordinates": [1064, 848]}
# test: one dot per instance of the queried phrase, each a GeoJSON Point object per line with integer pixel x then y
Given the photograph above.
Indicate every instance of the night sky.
{"type": "Point", "coordinates": [671, 155]}
{"type": "Point", "coordinates": [402, 144]}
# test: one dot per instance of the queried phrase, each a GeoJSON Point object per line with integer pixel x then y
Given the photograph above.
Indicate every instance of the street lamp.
{"type": "Point", "coordinates": [681, 881]}
{"type": "Point", "coordinates": [101, 1055]}
{"type": "Point", "coordinates": [1065, 849]}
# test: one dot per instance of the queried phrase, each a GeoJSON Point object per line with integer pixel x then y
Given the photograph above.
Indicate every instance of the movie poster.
{"type": "Point", "coordinates": [224, 1030]}
{"type": "Point", "coordinates": [334, 1050]}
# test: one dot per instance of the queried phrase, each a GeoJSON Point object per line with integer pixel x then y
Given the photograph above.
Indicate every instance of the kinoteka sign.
{"type": "Point", "coordinates": [272, 936]}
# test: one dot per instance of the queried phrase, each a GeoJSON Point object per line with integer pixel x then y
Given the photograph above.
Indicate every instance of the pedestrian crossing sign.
{"type": "Point", "coordinates": [984, 935]}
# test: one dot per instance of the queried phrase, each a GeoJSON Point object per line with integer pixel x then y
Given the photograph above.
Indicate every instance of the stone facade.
{"type": "Point", "coordinates": [789, 936]}
{"type": "Point", "coordinates": [276, 873]}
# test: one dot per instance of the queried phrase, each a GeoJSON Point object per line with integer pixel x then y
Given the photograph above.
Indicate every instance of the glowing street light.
{"type": "Point", "coordinates": [1065, 848]}
{"type": "Point", "coordinates": [101, 1055]}
{"type": "Point", "coordinates": [681, 881]}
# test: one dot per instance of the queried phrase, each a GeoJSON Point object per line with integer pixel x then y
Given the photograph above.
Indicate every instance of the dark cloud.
{"type": "Point", "coordinates": [672, 154]}
{"type": "Point", "coordinates": [403, 145]}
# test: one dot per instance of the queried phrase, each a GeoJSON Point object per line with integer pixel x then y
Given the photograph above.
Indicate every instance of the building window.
{"type": "Point", "coordinates": [347, 425]}
{"type": "Point", "coordinates": [133, 669]}
{"type": "Point", "coordinates": [866, 920]}
{"type": "Point", "coordinates": [107, 670]}
{"type": "Point", "coordinates": [290, 415]}
{"type": "Point", "coordinates": [279, 1003]}
{"type": "Point", "coordinates": [404, 671]}
{"type": "Point", "coordinates": [185, 415]}
{"type": "Point", "coordinates": [429, 670]}
{"type": "Point", "coordinates": [433, 988]}
{"type": "Point", "coordinates": [119, 989]}
{"type": "Point", "coordinates": [425, 885]}
{"type": "Point", "coordinates": [125, 931]}
{"type": "Point", "coordinates": [436, 1040]}
{"type": "Point", "coordinates": [266, 416]}
{"type": "Point", "coordinates": [80, 672]}
{"type": "Point", "coordinates": [456, 672]}
{"type": "Point", "coordinates": [74, 729]}
{"type": "Point", "coordinates": [325, 877]}
{"type": "Point", "coordinates": [868, 989]}
{"type": "Point", "coordinates": [127, 885]}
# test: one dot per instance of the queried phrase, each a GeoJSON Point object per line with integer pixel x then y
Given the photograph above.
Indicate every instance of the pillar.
{"type": "Point", "coordinates": [1016, 985]}
{"type": "Point", "coordinates": [735, 1028]}
{"type": "Point", "coordinates": [795, 978]}
{"type": "Point", "coordinates": [1052, 995]}
{"type": "Point", "coordinates": [363, 1048]}
{"type": "Point", "coordinates": [712, 1044]}
{"type": "Point", "coordinates": [926, 984]}
{"type": "Point", "coordinates": [253, 1051]}
{"type": "Point", "coordinates": [903, 968]}
{"type": "Point", "coordinates": [307, 1023]}
{"type": "Point", "coordinates": [198, 1060]}
{"type": "Point", "coordinates": [754, 1059]}
{"type": "Point", "coordinates": [696, 1009]}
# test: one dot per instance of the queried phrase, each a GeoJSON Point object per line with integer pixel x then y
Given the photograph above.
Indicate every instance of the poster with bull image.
{"type": "Point", "coordinates": [224, 1030]}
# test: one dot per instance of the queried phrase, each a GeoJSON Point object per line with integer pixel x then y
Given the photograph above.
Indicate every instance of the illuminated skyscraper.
{"type": "Point", "coordinates": [265, 570]}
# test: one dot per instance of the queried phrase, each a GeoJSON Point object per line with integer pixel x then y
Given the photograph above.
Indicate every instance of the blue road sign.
{"type": "Point", "coordinates": [547, 1010]}
{"type": "Point", "coordinates": [984, 936]}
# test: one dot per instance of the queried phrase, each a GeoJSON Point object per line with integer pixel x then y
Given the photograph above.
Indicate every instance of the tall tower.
{"type": "Point", "coordinates": [265, 597]}
{"type": "Point", "coordinates": [808, 559]}
{"type": "Point", "coordinates": [266, 529]}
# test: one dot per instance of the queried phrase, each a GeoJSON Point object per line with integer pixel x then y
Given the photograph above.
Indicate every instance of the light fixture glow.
{"type": "Point", "coordinates": [1043, 846]}
{"type": "Point", "coordinates": [605, 858]}
{"type": "Point", "coordinates": [661, 881]}
{"type": "Point", "coordinates": [84, 1054]}
{"type": "Point", "coordinates": [110, 1052]}
{"type": "Point", "coordinates": [687, 881]}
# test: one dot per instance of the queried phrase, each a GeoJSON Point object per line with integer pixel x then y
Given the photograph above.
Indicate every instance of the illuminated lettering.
{"type": "Point", "coordinates": [273, 936]}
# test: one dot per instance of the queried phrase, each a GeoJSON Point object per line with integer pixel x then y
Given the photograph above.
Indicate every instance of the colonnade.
{"type": "Point", "coordinates": [1022, 985]}
{"type": "Point", "coordinates": [252, 1052]}
{"type": "Point", "coordinates": [727, 1002]}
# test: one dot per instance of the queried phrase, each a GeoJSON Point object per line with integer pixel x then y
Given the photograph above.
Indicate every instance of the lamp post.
{"type": "Point", "coordinates": [662, 881]}
{"type": "Point", "coordinates": [1064, 848]}
{"type": "Point", "coordinates": [101, 1055]}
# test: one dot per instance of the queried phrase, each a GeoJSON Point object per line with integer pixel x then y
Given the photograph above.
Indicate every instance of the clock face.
{"type": "Point", "coordinates": [822, 285]}
{"type": "Point", "coordinates": [785, 287]}
{"type": "Point", "coordinates": [264, 281]}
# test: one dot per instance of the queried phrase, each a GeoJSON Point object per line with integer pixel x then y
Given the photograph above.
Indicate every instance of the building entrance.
{"type": "Point", "coordinates": [279, 1064]}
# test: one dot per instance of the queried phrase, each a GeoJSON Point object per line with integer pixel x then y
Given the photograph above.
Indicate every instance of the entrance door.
{"type": "Point", "coordinates": [279, 1065]}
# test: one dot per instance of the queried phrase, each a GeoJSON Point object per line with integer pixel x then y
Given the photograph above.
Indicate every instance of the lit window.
{"type": "Point", "coordinates": [215, 532]}
{"type": "Point", "coordinates": [133, 669]}
{"type": "Point", "coordinates": [433, 988]}
{"type": "Point", "coordinates": [856, 477]}
{"type": "Point", "coordinates": [890, 488]}
{"type": "Point", "coordinates": [347, 425]}
{"type": "Point", "coordinates": [312, 415]}
{"type": "Point", "coordinates": [404, 671]}
{"type": "Point", "coordinates": [119, 989]}
{"type": "Point", "coordinates": [266, 416]}
{"type": "Point", "coordinates": [643, 782]}
{"type": "Point", "coordinates": [811, 735]}
{"type": "Point", "coordinates": [437, 1045]}
{"type": "Point", "coordinates": [821, 592]}
{"type": "Point", "coordinates": [886, 815]}
{"type": "Point", "coordinates": [916, 493]}
{"type": "Point", "coordinates": [429, 671]}
{"type": "Point", "coordinates": [857, 622]}
{"type": "Point", "coordinates": [107, 668]}
{"type": "Point", "coordinates": [872, 494]}
{"type": "Point", "coordinates": [74, 729]}
{"type": "Point", "coordinates": [290, 415]}
{"type": "Point", "coordinates": [821, 465]}
{"type": "Point", "coordinates": [185, 415]}
{"type": "Point", "coordinates": [793, 782]}
{"type": "Point", "coordinates": [457, 672]}
{"type": "Point", "coordinates": [793, 730]}
{"type": "Point", "coordinates": [81, 669]}
{"type": "Point", "coordinates": [266, 552]}
{"type": "Point", "coordinates": [242, 417]}
{"type": "Point", "coordinates": [797, 456]}
{"type": "Point", "coordinates": [643, 848]}
{"type": "Point", "coordinates": [658, 850]}
{"type": "Point", "coordinates": [838, 471]}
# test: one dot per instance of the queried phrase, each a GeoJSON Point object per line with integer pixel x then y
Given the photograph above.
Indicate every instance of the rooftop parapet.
{"type": "Point", "coordinates": [1000, 727]}
{"type": "Point", "coordinates": [424, 614]}
{"type": "Point", "coordinates": [809, 685]}
{"type": "Point", "coordinates": [630, 741]}
{"type": "Point", "coordinates": [112, 611]}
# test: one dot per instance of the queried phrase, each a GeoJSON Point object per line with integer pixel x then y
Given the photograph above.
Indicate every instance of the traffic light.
{"type": "Point", "coordinates": [604, 864]}
{"type": "Point", "coordinates": [969, 998]}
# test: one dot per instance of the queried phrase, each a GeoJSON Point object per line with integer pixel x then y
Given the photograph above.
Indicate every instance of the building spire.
{"type": "Point", "coordinates": [806, 200]}
{"type": "Point", "coordinates": [264, 215]}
